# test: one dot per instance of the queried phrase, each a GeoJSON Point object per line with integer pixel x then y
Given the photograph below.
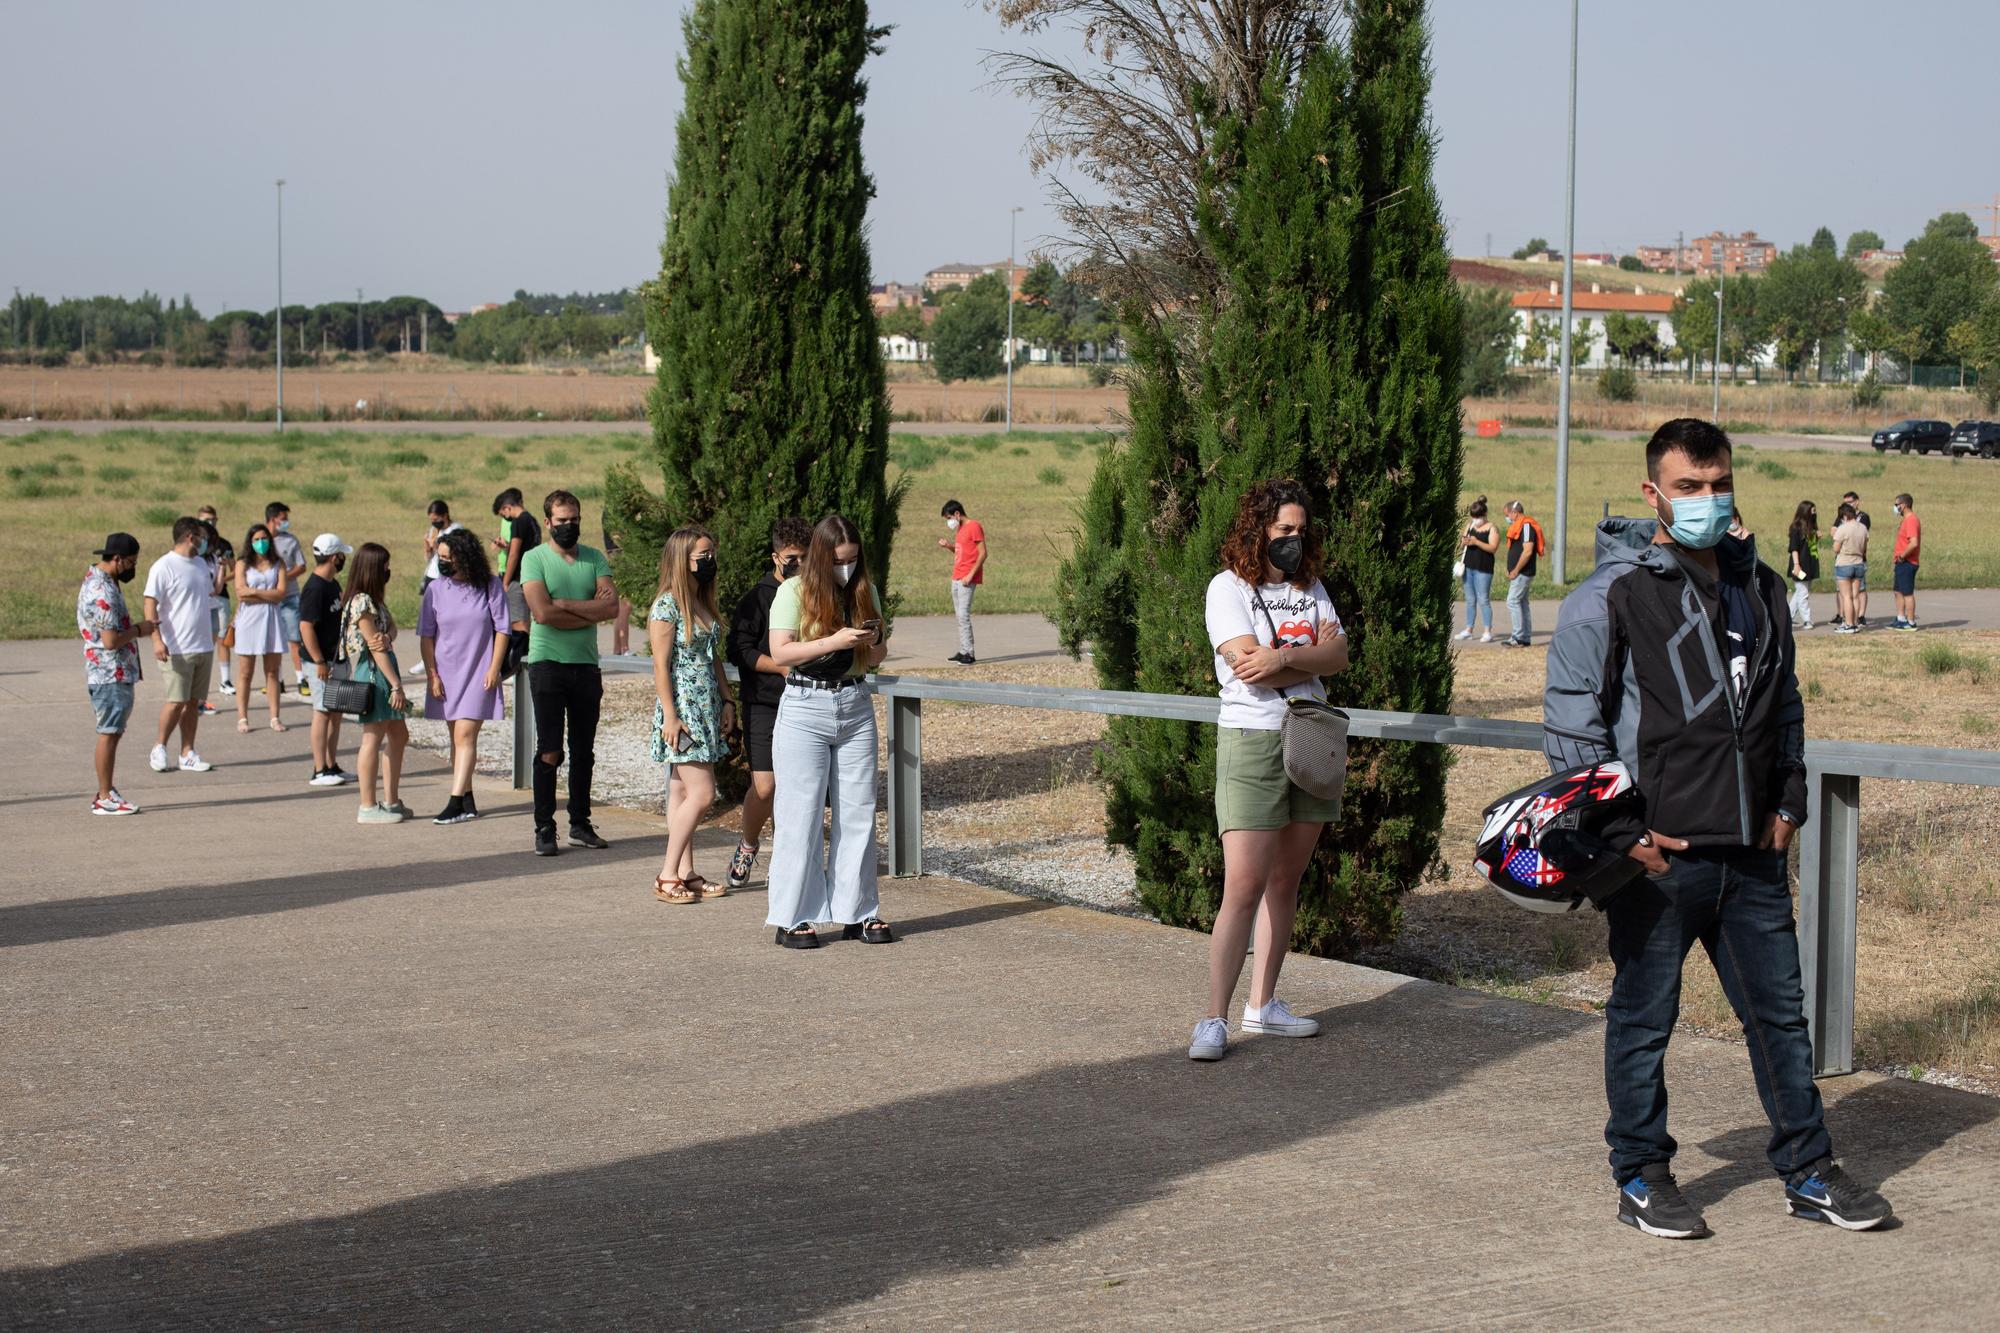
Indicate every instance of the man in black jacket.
{"type": "Point", "coordinates": [761, 684]}
{"type": "Point", "coordinates": [1676, 657]}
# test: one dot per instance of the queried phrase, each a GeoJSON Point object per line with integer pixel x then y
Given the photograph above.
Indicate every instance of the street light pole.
{"type": "Point", "coordinates": [1569, 286]}
{"type": "Point", "coordinates": [357, 321]}
{"type": "Point", "coordinates": [281, 306]}
{"type": "Point", "coordinates": [1013, 215]}
{"type": "Point", "coordinates": [1715, 366]}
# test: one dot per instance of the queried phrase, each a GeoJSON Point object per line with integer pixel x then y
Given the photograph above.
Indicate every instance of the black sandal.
{"type": "Point", "coordinates": [872, 931]}
{"type": "Point", "coordinates": [798, 937]}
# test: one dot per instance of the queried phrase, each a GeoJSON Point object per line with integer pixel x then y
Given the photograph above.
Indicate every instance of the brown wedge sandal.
{"type": "Point", "coordinates": [700, 885]}
{"type": "Point", "coordinates": [680, 895]}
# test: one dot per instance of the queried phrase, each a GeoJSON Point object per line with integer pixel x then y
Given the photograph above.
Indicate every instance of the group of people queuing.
{"type": "Point", "coordinates": [1849, 540]}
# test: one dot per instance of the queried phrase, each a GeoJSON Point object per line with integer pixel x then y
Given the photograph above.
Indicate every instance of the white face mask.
{"type": "Point", "coordinates": [952, 523]}
{"type": "Point", "coordinates": [842, 573]}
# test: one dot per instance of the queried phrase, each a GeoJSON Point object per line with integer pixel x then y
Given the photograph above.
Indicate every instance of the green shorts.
{"type": "Point", "coordinates": [1251, 789]}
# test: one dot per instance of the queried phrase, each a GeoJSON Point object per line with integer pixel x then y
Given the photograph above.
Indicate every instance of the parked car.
{"type": "Point", "coordinates": [1922, 436]}
{"type": "Point", "coordinates": [1976, 437]}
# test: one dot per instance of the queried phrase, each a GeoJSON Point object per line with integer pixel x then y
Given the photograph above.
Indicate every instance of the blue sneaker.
{"type": "Point", "coordinates": [1652, 1202]}
{"type": "Point", "coordinates": [1824, 1193]}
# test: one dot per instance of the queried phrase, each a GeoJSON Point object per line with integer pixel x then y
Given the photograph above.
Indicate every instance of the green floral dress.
{"type": "Point", "coordinates": [697, 702]}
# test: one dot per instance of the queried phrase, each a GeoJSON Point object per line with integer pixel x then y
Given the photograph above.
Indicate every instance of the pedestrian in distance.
{"type": "Point", "coordinates": [263, 585]}
{"type": "Point", "coordinates": [368, 641]}
{"type": "Point", "coordinates": [221, 559]}
{"type": "Point", "coordinates": [621, 624]}
{"type": "Point", "coordinates": [693, 715]}
{"type": "Point", "coordinates": [462, 628]}
{"type": "Point", "coordinates": [1525, 545]}
{"type": "Point", "coordinates": [519, 534]}
{"type": "Point", "coordinates": [967, 545]}
{"type": "Point", "coordinates": [319, 636]}
{"type": "Point", "coordinates": [111, 670]}
{"type": "Point", "coordinates": [761, 686]}
{"type": "Point", "coordinates": [1802, 557]}
{"type": "Point", "coordinates": [826, 631]}
{"type": "Point", "coordinates": [1276, 635]}
{"type": "Point", "coordinates": [1908, 554]}
{"type": "Point", "coordinates": [569, 593]}
{"type": "Point", "coordinates": [177, 604]}
{"type": "Point", "coordinates": [1675, 656]}
{"type": "Point", "coordinates": [1860, 593]}
{"type": "Point", "coordinates": [439, 522]}
{"type": "Point", "coordinates": [278, 518]}
{"type": "Point", "coordinates": [1850, 568]}
{"type": "Point", "coordinates": [1477, 545]}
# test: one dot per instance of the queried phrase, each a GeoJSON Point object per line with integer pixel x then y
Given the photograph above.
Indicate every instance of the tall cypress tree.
{"type": "Point", "coordinates": [771, 398]}
{"type": "Point", "coordinates": [1333, 359]}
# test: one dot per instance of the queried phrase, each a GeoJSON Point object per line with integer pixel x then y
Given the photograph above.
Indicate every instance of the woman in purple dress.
{"type": "Point", "coordinates": [463, 628]}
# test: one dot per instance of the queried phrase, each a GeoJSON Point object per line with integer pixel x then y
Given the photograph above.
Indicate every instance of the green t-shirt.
{"type": "Point", "coordinates": [785, 616]}
{"type": "Point", "coordinates": [567, 580]}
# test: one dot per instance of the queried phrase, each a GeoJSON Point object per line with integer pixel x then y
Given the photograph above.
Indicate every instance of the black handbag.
{"type": "Point", "coordinates": [344, 694]}
{"type": "Point", "coordinates": [517, 653]}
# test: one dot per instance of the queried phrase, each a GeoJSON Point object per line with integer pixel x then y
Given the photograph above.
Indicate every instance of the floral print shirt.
{"type": "Point", "coordinates": [100, 610]}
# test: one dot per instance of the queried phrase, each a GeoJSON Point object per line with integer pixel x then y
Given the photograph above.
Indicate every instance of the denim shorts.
{"type": "Point", "coordinates": [288, 616]}
{"type": "Point", "coordinates": [112, 702]}
{"type": "Point", "coordinates": [1852, 574]}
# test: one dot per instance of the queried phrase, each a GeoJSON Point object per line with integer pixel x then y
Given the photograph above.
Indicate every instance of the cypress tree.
{"type": "Point", "coordinates": [771, 398]}
{"type": "Point", "coordinates": [1333, 358]}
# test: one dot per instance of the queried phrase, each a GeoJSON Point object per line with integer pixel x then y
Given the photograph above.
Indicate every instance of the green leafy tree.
{"type": "Point", "coordinates": [1631, 264]}
{"type": "Point", "coordinates": [1539, 340]}
{"type": "Point", "coordinates": [1823, 242]}
{"type": "Point", "coordinates": [1977, 342]}
{"type": "Point", "coordinates": [1743, 331]}
{"type": "Point", "coordinates": [1582, 338]}
{"type": "Point", "coordinates": [1628, 337]}
{"type": "Point", "coordinates": [1945, 275]}
{"type": "Point", "coordinates": [905, 321]}
{"type": "Point", "coordinates": [1536, 246]}
{"type": "Point", "coordinates": [1804, 298]}
{"type": "Point", "coordinates": [1332, 356]}
{"type": "Point", "coordinates": [771, 398]}
{"type": "Point", "coordinates": [1862, 240]}
{"type": "Point", "coordinates": [1488, 337]}
{"type": "Point", "coordinates": [967, 335]}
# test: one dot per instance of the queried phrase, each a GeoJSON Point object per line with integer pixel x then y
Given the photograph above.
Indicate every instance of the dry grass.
{"type": "Point", "coordinates": [1746, 407]}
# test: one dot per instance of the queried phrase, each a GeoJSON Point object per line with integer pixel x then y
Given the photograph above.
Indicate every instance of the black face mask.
{"type": "Point", "coordinates": [340, 564]}
{"type": "Point", "coordinates": [565, 534]}
{"type": "Point", "coordinates": [789, 569]}
{"type": "Point", "coordinates": [440, 523]}
{"type": "Point", "coordinates": [444, 569]}
{"type": "Point", "coordinates": [125, 575]}
{"type": "Point", "coordinates": [1286, 554]}
{"type": "Point", "coordinates": [704, 570]}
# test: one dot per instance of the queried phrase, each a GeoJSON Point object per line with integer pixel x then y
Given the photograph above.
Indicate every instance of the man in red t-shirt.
{"type": "Point", "coordinates": [1909, 549]}
{"type": "Point", "coordinates": [968, 570]}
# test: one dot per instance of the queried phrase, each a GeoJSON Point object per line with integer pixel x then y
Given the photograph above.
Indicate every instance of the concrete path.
{"type": "Point", "coordinates": [265, 1067]}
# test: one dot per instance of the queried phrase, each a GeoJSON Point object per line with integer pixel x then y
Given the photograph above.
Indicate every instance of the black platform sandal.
{"type": "Point", "coordinates": [872, 931]}
{"type": "Point", "coordinates": [798, 937]}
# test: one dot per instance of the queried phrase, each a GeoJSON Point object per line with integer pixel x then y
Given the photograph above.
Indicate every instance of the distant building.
{"type": "Point", "coordinates": [1880, 256]}
{"type": "Point", "coordinates": [961, 275]}
{"type": "Point", "coordinates": [1597, 257]}
{"type": "Point", "coordinates": [887, 296]}
{"type": "Point", "coordinates": [1656, 308]}
{"type": "Point", "coordinates": [1661, 258]}
{"type": "Point", "coordinates": [1720, 252]}
{"type": "Point", "coordinates": [1544, 257]}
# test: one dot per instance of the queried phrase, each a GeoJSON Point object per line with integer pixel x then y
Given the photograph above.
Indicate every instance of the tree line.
{"type": "Point", "coordinates": [1058, 312]}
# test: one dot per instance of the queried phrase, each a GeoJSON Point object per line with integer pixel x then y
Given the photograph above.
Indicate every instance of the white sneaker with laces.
{"type": "Point", "coordinates": [1277, 1019]}
{"type": "Point", "coordinates": [228, 687]}
{"type": "Point", "coordinates": [158, 760]}
{"type": "Point", "coordinates": [1487, 637]}
{"type": "Point", "coordinates": [1211, 1039]}
{"type": "Point", "coordinates": [1463, 634]}
{"type": "Point", "coordinates": [324, 778]}
{"type": "Point", "coordinates": [192, 762]}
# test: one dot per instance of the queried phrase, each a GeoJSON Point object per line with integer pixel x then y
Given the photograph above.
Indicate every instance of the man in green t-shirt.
{"type": "Point", "coordinates": [569, 592]}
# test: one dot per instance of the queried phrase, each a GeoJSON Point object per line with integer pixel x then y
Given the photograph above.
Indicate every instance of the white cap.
{"type": "Point", "coordinates": [327, 544]}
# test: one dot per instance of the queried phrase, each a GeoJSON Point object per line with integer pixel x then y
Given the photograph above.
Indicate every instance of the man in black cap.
{"type": "Point", "coordinates": [110, 662]}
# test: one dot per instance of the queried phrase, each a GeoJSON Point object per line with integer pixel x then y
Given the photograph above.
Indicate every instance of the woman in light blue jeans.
{"type": "Point", "coordinates": [826, 630]}
{"type": "Point", "coordinates": [1476, 547]}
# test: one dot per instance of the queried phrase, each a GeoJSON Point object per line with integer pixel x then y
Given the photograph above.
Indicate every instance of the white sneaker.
{"type": "Point", "coordinates": [324, 778]}
{"type": "Point", "coordinates": [228, 687]}
{"type": "Point", "coordinates": [1487, 637]}
{"type": "Point", "coordinates": [1278, 1020]}
{"type": "Point", "coordinates": [192, 762]}
{"type": "Point", "coordinates": [158, 761]}
{"type": "Point", "coordinates": [1463, 634]}
{"type": "Point", "coordinates": [1211, 1039]}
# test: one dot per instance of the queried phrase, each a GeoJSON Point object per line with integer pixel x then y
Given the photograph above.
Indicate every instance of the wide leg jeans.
{"type": "Point", "coordinates": [823, 752]}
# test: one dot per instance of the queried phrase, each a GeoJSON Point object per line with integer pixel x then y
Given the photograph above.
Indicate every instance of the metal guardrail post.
{"type": "Point", "coordinates": [524, 732]}
{"type": "Point", "coordinates": [1829, 893]}
{"type": "Point", "coordinates": [906, 786]}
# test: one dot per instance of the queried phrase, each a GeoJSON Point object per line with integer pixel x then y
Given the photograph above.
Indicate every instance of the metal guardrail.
{"type": "Point", "coordinates": [1829, 844]}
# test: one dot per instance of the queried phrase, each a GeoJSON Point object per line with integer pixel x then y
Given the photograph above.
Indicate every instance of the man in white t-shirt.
{"type": "Point", "coordinates": [177, 600]}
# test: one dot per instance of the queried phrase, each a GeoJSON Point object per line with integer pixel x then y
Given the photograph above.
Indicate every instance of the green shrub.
{"type": "Point", "coordinates": [498, 465]}
{"type": "Point", "coordinates": [406, 458]}
{"type": "Point", "coordinates": [158, 516]}
{"type": "Point", "coordinates": [36, 488]}
{"type": "Point", "coordinates": [1618, 385]}
{"type": "Point", "coordinates": [556, 458]}
{"type": "Point", "coordinates": [321, 490]}
{"type": "Point", "coordinates": [1868, 390]}
{"type": "Point", "coordinates": [111, 474]}
{"type": "Point", "coordinates": [1874, 469]}
{"type": "Point", "coordinates": [986, 444]}
{"type": "Point", "coordinates": [1068, 449]}
{"type": "Point", "coordinates": [1776, 471]}
{"type": "Point", "coordinates": [1018, 451]}
{"type": "Point", "coordinates": [918, 455]}
{"type": "Point", "coordinates": [1050, 476]}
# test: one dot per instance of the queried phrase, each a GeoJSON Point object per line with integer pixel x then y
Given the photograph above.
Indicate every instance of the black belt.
{"type": "Point", "coordinates": [809, 683]}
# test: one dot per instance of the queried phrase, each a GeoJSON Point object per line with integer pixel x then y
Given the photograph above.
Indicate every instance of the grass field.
{"type": "Point", "coordinates": [66, 491]}
{"type": "Point", "coordinates": [1747, 407]}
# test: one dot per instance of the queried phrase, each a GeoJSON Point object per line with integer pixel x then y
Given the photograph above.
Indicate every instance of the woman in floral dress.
{"type": "Point", "coordinates": [693, 715]}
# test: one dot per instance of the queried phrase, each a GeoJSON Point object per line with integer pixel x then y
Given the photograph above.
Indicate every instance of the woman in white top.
{"type": "Point", "coordinates": [1275, 634]}
{"type": "Point", "coordinates": [261, 585]}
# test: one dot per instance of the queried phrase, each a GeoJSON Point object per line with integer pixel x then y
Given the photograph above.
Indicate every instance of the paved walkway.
{"type": "Point", "coordinates": [268, 1068]}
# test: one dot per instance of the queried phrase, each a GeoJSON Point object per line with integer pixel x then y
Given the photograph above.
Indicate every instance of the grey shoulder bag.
{"type": "Point", "coordinates": [1314, 736]}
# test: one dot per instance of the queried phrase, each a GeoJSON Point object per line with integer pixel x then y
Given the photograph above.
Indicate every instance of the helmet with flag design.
{"type": "Point", "coordinates": [1543, 846]}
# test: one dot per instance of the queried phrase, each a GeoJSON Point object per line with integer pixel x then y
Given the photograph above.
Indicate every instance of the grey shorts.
{"type": "Point", "coordinates": [517, 604]}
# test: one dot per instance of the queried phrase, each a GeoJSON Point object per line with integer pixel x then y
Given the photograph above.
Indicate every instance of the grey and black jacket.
{"type": "Point", "coordinates": [1638, 672]}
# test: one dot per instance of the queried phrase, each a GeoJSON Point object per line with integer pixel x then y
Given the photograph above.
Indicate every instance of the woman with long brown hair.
{"type": "Point", "coordinates": [1275, 634]}
{"type": "Point", "coordinates": [826, 629]}
{"type": "Point", "coordinates": [693, 715]}
{"type": "Point", "coordinates": [261, 585]}
{"type": "Point", "coordinates": [368, 640]}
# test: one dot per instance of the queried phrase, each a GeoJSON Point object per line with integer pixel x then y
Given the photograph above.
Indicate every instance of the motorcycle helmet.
{"type": "Point", "coordinates": [1543, 848]}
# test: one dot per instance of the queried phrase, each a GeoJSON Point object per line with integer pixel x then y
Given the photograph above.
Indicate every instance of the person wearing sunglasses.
{"type": "Point", "coordinates": [761, 685]}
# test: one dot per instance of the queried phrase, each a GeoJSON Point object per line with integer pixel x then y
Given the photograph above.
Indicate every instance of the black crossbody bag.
{"type": "Point", "coordinates": [343, 693]}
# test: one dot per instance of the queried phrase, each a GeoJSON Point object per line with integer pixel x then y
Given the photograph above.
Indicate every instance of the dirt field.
{"type": "Point", "coordinates": [1746, 407]}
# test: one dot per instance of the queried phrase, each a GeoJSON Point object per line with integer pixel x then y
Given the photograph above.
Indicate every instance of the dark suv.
{"type": "Point", "coordinates": [1976, 437]}
{"type": "Point", "coordinates": [1922, 436]}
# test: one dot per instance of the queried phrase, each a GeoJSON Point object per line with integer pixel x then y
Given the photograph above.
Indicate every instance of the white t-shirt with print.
{"type": "Point", "coordinates": [1299, 618]}
{"type": "Point", "coordinates": [179, 584]}
{"type": "Point", "coordinates": [431, 568]}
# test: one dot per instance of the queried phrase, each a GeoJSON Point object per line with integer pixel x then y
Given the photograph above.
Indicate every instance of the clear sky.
{"type": "Point", "coordinates": [460, 150]}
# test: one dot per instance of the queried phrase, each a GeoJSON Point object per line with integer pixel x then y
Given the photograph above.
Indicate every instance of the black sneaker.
{"type": "Point", "coordinates": [1825, 1193]}
{"type": "Point", "coordinates": [583, 835]}
{"type": "Point", "coordinates": [454, 812]}
{"type": "Point", "coordinates": [959, 658]}
{"type": "Point", "coordinates": [545, 842]}
{"type": "Point", "coordinates": [739, 866]}
{"type": "Point", "coordinates": [1652, 1202]}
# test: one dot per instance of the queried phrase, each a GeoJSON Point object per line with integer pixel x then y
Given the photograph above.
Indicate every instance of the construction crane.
{"type": "Point", "coordinates": [1992, 212]}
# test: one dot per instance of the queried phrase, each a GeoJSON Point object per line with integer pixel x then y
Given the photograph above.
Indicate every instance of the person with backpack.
{"type": "Point", "coordinates": [1525, 544]}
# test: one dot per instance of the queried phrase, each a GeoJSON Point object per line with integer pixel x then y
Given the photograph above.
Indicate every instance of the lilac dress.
{"type": "Point", "coordinates": [462, 620]}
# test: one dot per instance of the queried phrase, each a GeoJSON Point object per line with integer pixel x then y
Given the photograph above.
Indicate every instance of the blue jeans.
{"type": "Point", "coordinates": [1738, 903]}
{"type": "Point", "coordinates": [1522, 628]}
{"type": "Point", "coordinates": [1478, 596]}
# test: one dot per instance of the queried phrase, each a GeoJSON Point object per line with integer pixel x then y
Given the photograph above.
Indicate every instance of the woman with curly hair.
{"type": "Point", "coordinates": [463, 631]}
{"type": "Point", "coordinates": [1275, 634]}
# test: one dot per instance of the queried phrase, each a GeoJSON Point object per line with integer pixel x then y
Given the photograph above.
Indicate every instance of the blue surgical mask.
{"type": "Point", "coordinates": [1700, 521]}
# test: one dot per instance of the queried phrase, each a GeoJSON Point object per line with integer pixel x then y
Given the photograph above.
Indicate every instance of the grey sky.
{"type": "Point", "coordinates": [460, 150]}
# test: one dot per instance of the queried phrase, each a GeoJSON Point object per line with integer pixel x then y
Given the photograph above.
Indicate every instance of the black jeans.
{"type": "Point", "coordinates": [1738, 903]}
{"type": "Point", "coordinates": [566, 694]}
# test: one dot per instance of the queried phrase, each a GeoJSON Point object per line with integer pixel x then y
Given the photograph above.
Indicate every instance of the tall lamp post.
{"type": "Point", "coordinates": [1013, 215]}
{"type": "Point", "coordinates": [1715, 366]}
{"type": "Point", "coordinates": [280, 325]}
{"type": "Point", "coordinates": [1569, 284]}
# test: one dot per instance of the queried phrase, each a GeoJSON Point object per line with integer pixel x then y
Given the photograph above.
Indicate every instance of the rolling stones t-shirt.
{"type": "Point", "coordinates": [1300, 619]}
